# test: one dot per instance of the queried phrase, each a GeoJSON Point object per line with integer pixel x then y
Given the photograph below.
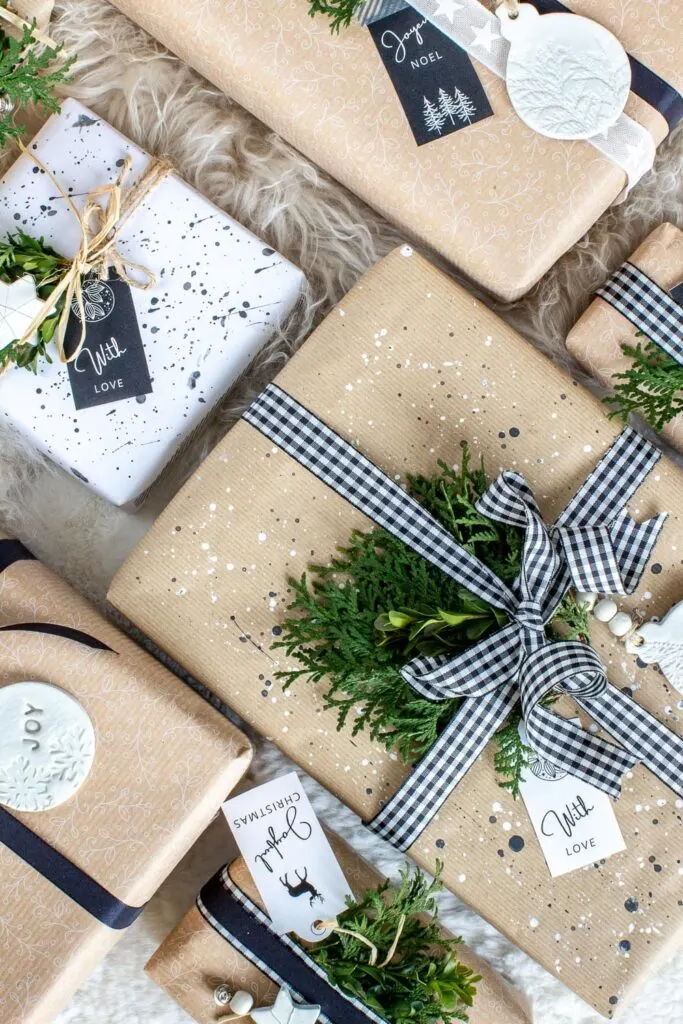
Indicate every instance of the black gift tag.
{"type": "Point", "coordinates": [677, 294]}
{"type": "Point", "coordinates": [112, 364]}
{"type": "Point", "coordinates": [434, 77]}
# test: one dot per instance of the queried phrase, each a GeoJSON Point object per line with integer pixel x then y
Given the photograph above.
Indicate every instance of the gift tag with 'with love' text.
{"type": "Point", "coordinates": [288, 856]}
{"type": "Point", "coordinates": [574, 822]}
{"type": "Point", "coordinates": [112, 364]}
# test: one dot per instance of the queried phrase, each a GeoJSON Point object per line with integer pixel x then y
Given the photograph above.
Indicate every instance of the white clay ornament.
{"type": "Point", "coordinates": [567, 76]}
{"type": "Point", "coordinates": [19, 304]}
{"type": "Point", "coordinates": [661, 643]}
{"type": "Point", "coordinates": [47, 746]}
{"type": "Point", "coordinates": [285, 1011]}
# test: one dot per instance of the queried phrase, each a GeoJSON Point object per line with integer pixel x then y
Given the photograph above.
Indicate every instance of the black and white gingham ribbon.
{"type": "Point", "coordinates": [649, 308]}
{"type": "Point", "coordinates": [594, 545]}
{"type": "Point", "coordinates": [238, 920]}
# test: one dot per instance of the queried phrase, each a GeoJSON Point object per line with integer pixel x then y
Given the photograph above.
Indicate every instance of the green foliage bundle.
{"type": "Point", "coordinates": [22, 256]}
{"type": "Point", "coordinates": [29, 74]}
{"type": "Point", "coordinates": [651, 386]}
{"type": "Point", "coordinates": [340, 12]}
{"type": "Point", "coordinates": [423, 983]}
{"type": "Point", "coordinates": [356, 622]}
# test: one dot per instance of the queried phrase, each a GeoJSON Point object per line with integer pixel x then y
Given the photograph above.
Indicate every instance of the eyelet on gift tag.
{"type": "Point", "coordinates": [567, 76]}
{"type": "Point", "coordinates": [47, 746]}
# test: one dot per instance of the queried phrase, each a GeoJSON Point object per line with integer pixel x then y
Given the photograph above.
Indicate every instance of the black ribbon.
{"type": "Point", "coordinates": [64, 631]}
{"type": "Point", "coordinates": [241, 923]}
{"type": "Point", "coordinates": [20, 839]}
{"type": "Point", "coordinates": [12, 551]}
{"type": "Point", "coordinates": [65, 875]}
{"type": "Point", "coordinates": [644, 81]}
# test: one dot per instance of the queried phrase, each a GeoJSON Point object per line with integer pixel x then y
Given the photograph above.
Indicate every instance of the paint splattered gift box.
{"type": "Point", "coordinates": [180, 305]}
{"type": "Point", "coordinates": [406, 371]}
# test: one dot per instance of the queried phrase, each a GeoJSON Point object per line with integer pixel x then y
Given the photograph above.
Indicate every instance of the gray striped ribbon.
{"type": "Point", "coordinates": [649, 307]}
{"type": "Point", "coordinates": [594, 546]}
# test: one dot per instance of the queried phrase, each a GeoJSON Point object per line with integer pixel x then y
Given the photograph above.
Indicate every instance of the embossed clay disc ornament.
{"type": "Point", "coordinates": [47, 746]}
{"type": "Point", "coordinates": [567, 77]}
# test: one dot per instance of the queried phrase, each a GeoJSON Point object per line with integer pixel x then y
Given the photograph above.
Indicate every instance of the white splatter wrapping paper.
{"type": "Point", "coordinates": [219, 294]}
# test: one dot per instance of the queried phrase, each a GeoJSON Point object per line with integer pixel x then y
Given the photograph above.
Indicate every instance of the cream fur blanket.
{"type": "Point", "coordinates": [125, 76]}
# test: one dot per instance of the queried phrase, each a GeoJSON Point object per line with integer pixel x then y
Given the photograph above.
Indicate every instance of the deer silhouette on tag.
{"type": "Point", "coordinates": [302, 888]}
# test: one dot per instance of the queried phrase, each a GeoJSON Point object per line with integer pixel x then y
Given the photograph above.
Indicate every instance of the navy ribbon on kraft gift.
{"type": "Point", "coordinates": [644, 82]}
{"type": "Point", "coordinates": [593, 546]}
{"type": "Point", "coordinates": [238, 920]}
{"type": "Point", "coordinates": [649, 307]}
{"type": "Point", "coordinates": [23, 841]}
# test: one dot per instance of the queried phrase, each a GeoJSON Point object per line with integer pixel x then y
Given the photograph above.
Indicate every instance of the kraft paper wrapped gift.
{"type": "Point", "coordinates": [195, 958]}
{"type": "Point", "coordinates": [496, 199]}
{"type": "Point", "coordinates": [597, 338]}
{"type": "Point", "coordinates": [408, 367]}
{"type": "Point", "coordinates": [218, 293]}
{"type": "Point", "coordinates": [160, 763]}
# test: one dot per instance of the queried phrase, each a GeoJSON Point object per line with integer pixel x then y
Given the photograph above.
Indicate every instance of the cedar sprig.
{"type": "Point", "coordinates": [29, 75]}
{"type": "Point", "coordinates": [424, 982]}
{"type": "Point", "coordinates": [355, 622]}
{"type": "Point", "coordinates": [651, 386]}
{"type": "Point", "coordinates": [21, 256]}
{"type": "Point", "coordinates": [340, 12]}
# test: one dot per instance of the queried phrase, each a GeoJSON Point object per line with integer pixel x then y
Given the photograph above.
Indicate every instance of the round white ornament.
{"type": "Point", "coordinates": [47, 746]}
{"type": "Point", "coordinates": [567, 77]}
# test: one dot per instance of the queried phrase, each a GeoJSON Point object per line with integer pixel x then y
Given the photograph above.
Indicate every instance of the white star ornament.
{"type": "Point", "coordinates": [19, 304]}
{"type": "Point", "coordinates": [286, 1011]}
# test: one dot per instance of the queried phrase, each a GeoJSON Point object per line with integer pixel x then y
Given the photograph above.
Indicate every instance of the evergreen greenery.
{"type": "Point", "coordinates": [29, 73]}
{"type": "Point", "coordinates": [355, 622]}
{"type": "Point", "coordinates": [423, 983]}
{"type": "Point", "coordinates": [21, 256]}
{"type": "Point", "coordinates": [340, 12]}
{"type": "Point", "coordinates": [652, 385]}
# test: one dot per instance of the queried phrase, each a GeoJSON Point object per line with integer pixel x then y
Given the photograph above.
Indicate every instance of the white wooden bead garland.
{"type": "Point", "coordinates": [657, 642]}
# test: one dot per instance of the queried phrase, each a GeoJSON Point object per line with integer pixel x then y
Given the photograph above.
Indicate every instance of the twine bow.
{"type": "Point", "coordinates": [100, 225]}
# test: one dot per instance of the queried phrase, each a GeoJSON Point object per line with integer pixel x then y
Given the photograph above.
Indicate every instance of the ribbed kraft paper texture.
{"type": "Point", "coordinates": [409, 367]}
{"type": "Point", "coordinates": [194, 958]}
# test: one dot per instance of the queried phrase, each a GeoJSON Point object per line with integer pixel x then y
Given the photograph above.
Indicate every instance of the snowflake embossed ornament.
{"type": "Point", "coordinates": [19, 304]}
{"type": "Point", "coordinates": [567, 76]}
{"type": "Point", "coordinates": [661, 643]}
{"type": "Point", "coordinates": [47, 746]}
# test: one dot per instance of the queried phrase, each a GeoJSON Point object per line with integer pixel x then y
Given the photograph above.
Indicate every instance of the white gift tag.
{"type": "Point", "coordinates": [574, 822]}
{"type": "Point", "coordinates": [288, 855]}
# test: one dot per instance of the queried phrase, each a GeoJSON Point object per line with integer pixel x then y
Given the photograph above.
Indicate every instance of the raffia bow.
{"type": "Point", "coordinates": [100, 224]}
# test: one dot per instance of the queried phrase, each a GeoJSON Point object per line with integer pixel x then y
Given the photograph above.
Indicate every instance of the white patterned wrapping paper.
{"type": "Point", "coordinates": [219, 296]}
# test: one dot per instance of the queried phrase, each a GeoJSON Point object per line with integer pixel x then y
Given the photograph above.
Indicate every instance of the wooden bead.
{"type": "Point", "coordinates": [621, 624]}
{"type": "Point", "coordinates": [605, 609]}
{"type": "Point", "coordinates": [241, 1003]}
{"type": "Point", "coordinates": [586, 600]}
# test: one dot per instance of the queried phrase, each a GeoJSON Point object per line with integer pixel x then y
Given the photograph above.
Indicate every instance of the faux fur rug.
{"type": "Point", "coordinates": [126, 77]}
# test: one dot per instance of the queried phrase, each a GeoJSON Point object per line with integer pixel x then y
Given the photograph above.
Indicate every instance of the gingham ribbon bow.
{"type": "Point", "coordinates": [594, 545]}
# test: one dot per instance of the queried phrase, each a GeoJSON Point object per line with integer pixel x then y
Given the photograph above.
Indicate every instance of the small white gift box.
{"type": "Point", "coordinates": [155, 361]}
